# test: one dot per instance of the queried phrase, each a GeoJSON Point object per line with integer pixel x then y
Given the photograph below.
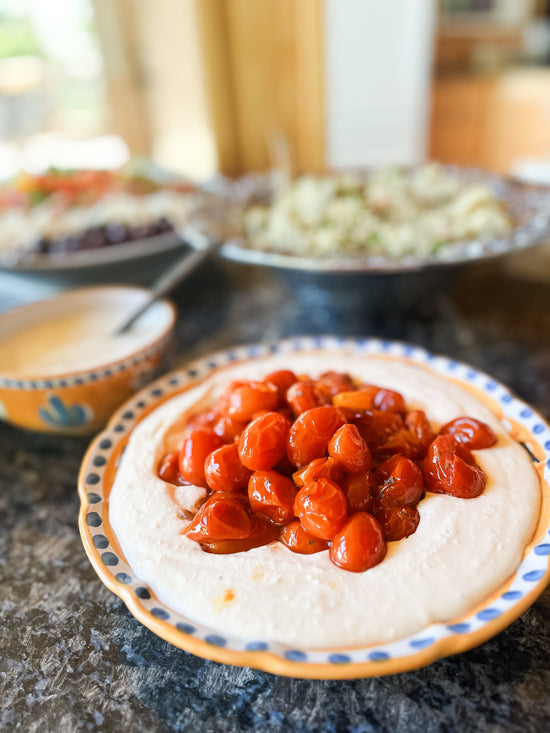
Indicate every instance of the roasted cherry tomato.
{"type": "Point", "coordinates": [302, 396]}
{"type": "Point", "coordinates": [359, 399]}
{"type": "Point", "coordinates": [358, 489]}
{"type": "Point", "coordinates": [282, 379]}
{"type": "Point", "coordinates": [196, 448]}
{"type": "Point", "coordinates": [321, 508]}
{"type": "Point", "coordinates": [450, 468]}
{"type": "Point", "coordinates": [331, 383]}
{"type": "Point", "coordinates": [348, 448]}
{"type": "Point", "coordinates": [295, 537]}
{"type": "Point", "coordinates": [169, 468]}
{"type": "Point", "coordinates": [377, 426]}
{"type": "Point", "coordinates": [271, 496]}
{"type": "Point", "coordinates": [389, 401]}
{"type": "Point", "coordinates": [413, 440]}
{"type": "Point", "coordinates": [417, 422]}
{"type": "Point", "coordinates": [318, 468]}
{"type": "Point", "coordinates": [263, 443]}
{"type": "Point", "coordinates": [397, 522]}
{"type": "Point", "coordinates": [359, 545]}
{"type": "Point", "coordinates": [262, 534]}
{"type": "Point", "coordinates": [228, 429]}
{"type": "Point", "coordinates": [244, 398]}
{"type": "Point", "coordinates": [204, 419]}
{"type": "Point", "coordinates": [222, 517]}
{"type": "Point", "coordinates": [309, 435]}
{"type": "Point", "coordinates": [400, 482]}
{"type": "Point", "coordinates": [224, 471]}
{"type": "Point", "coordinates": [472, 433]}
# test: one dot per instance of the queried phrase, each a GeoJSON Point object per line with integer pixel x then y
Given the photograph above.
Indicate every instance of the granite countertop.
{"type": "Point", "coordinates": [73, 658]}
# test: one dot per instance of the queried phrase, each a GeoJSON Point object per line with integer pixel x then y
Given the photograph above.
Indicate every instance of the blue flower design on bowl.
{"type": "Point", "coordinates": [57, 414]}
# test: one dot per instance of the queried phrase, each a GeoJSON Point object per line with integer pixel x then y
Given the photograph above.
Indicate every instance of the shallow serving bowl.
{"type": "Point", "coordinates": [492, 615]}
{"type": "Point", "coordinates": [81, 401]}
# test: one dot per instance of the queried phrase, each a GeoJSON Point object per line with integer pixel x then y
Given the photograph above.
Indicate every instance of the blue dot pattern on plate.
{"type": "Point", "coordinates": [93, 519]}
{"type": "Point", "coordinates": [533, 575]}
{"type": "Point", "coordinates": [459, 628]}
{"type": "Point", "coordinates": [379, 656]}
{"type": "Point", "coordinates": [216, 640]}
{"type": "Point", "coordinates": [488, 614]}
{"type": "Point", "coordinates": [256, 646]}
{"type": "Point", "coordinates": [339, 659]}
{"type": "Point", "coordinates": [512, 595]}
{"type": "Point", "coordinates": [142, 593]}
{"type": "Point", "coordinates": [422, 643]}
{"type": "Point", "coordinates": [123, 578]}
{"type": "Point", "coordinates": [109, 558]}
{"type": "Point", "coordinates": [542, 550]}
{"type": "Point", "coordinates": [294, 655]}
{"type": "Point", "coordinates": [160, 613]}
{"type": "Point", "coordinates": [100, 541]}
{"type": "Point", "coordinates": [93, 498]}
{"type": "Point", "coordinates": [186, 628]}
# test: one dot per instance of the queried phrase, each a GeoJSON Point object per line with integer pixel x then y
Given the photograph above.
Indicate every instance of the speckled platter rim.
{"type": "Point", "coordinates": [437, 640]}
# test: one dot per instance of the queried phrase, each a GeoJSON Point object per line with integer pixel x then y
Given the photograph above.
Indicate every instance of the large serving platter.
{"type": "Point", "coordinates": [528, 207]}
{"type": "Point", "coordinates": [491, 616]}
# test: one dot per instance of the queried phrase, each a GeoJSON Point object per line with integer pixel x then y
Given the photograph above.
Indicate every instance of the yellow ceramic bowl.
{"type": "Point", "coordinates": [78, 399]}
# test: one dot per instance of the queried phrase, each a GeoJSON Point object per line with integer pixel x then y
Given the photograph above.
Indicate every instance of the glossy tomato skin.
{"type": "Point", "coordinates": [302, 396]}
{"type": "Point", "coordinates": [472, 433]}
{"type": "Point", "coordinates": [196, 448]}
{"type": "Point", "coordinates": [283, 379]}
{"type": "Point", "coordinates": [262, 534]}
{"type": "Point", "coordinates": [224, 471]}
{"type": "Point", "coordinates": [450, 468]}
{"type": "Point", "coordinates": [357, 399]}
{"type": "Point", "coordinates": [262, 444]}
{"type": "Point", "coordinates": [377, 426]}
{"type": "Point", "coordinates": [228, 429]}
{"type": "Point", "coordinates": [417, 422]}
{"type": "Point", "coordinates": [389, 401]}
{"type": "Point", "coordinates": [223, 516]}
{"type": "Point", "coordinates": [348, 448]}
{"type": "Point", "coordinates": [331, 383]}
{"type": "Point", "coordinates": [359, 545]}
{"type": "Point", "coordinates": [397, 522]}
{"type": "Point", "coordinates": [310, 434]}
{"type": "Point", "coordinates": [401, 482]}
{"type": "Point", "coordinates": [413, 440]}
{"type": "Point", "coordinates": [321, 508]}
{"type": "Point", "coordinates": [319, 468]}
{"type": "Point", "coordinates": [295, 537]}
{"type": "Point", "coordinates": [358, 489]}
{"type": "Point", "coordinates": [169, 468]}
{"type": "Point", "coordinates": [243, 399]}
{"type": "Point", "coordinates": [271, 496]}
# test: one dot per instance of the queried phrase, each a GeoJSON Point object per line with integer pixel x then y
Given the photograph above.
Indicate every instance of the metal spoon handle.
{"type": "Point", "coordinates": [168, 280]}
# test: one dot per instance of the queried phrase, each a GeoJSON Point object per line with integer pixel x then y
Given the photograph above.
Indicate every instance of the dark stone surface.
{"type": "Point", "coordinates": [72, 657]}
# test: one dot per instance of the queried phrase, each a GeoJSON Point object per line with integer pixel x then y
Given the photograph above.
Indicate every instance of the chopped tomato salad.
{"type": "Point", "coordinates": [325, 464]}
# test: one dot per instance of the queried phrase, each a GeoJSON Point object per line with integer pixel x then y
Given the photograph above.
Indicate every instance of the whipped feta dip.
{"type": "Point", "coordinates": [461, 553]}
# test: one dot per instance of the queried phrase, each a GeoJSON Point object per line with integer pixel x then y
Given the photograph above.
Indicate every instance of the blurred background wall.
{"type": "Point", "coordinates": [202, 86]}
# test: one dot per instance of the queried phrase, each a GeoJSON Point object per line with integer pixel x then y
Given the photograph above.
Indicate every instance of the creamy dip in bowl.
{"type": "Point", "coordinates": [302, 609]}
{"type": "Point", "coordinates": [63, 369]}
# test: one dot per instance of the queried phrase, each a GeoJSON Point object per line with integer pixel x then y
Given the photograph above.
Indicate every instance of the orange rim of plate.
{"type": "Point", "coordinates": [437, 640]}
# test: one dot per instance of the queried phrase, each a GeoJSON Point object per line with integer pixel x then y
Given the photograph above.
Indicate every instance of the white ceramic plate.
{"type": "Point", "coordinates": [490, 617]}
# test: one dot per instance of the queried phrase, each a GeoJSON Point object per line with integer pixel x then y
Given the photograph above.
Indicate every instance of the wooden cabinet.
{"type": "Point", "coordinates": [491, 121]}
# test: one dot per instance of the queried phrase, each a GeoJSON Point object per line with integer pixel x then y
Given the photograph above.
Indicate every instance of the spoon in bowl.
{"type": "Point", "coordinates": [202, 247]}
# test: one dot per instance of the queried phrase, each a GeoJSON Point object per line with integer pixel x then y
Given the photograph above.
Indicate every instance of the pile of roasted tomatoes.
{"type": "Point", "coordinates": [319, 464]}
